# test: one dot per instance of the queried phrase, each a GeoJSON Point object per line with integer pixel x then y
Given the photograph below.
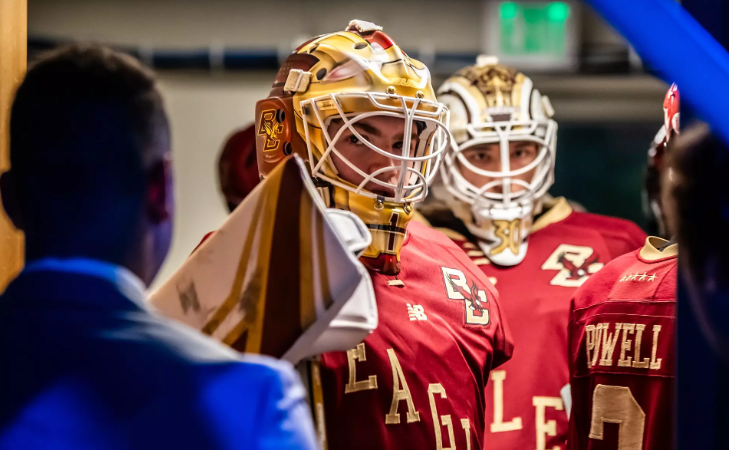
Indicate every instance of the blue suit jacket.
{"type": "Point", "coordinates": [84, 366]}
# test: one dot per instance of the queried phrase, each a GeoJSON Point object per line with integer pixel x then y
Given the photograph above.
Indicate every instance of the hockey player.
{"type": "Point", "coordinates": [365, 118]}
{"type": "Point", "coordinates": [535, 249]}
{"type": "Point", "coordinates": [622, 352]}
{"type": "Point", "coordinates": [622, 333]}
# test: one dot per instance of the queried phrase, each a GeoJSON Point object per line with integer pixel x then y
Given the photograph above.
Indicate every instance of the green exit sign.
{"type": "Point", "coordinates": [532, 29]}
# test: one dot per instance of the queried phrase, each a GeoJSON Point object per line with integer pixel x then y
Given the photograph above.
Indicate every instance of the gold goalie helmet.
{"type": "Point", "coordinates": [495, 106]}
{"type": "Point", "coordinates": [330, 95]}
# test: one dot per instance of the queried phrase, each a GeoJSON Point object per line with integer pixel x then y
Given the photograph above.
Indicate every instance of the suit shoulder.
{"type": "Point", "coordinates": [223, 381]}
{"type": "Point", "coordinates": [187, 347]}
{"type": "Point", "coordinates": [167, 370]}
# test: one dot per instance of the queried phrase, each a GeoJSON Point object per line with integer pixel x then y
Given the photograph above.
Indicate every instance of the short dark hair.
{"type": "Point", "coordinates": [697, 204]}
{"type": "Point", "coordinates": [87, 123]}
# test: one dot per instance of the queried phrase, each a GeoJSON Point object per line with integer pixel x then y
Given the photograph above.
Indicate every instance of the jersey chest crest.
{"type": "Point", "coordinates": [564, 265]}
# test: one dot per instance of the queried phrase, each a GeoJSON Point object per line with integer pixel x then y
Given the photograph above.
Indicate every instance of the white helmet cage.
{"type": "Point", "coordinates": [531, 121]}
{"type": "Point", "coordinates": [415, 171]}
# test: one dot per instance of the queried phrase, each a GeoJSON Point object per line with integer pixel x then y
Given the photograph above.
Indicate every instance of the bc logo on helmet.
{"type": "Point", "coordinates": [270, 128]}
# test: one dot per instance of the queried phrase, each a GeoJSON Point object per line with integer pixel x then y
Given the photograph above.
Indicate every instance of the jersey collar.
{"type": "Point", "coordinates": [651, 252]}
{"type": "Point", "coordinates": [557, 209]}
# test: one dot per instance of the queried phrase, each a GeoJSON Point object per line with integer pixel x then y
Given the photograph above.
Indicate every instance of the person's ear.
{"type": "Point", "coordinates": [159, 192]}
{"type": "Point", "coordinates": [8, 191]}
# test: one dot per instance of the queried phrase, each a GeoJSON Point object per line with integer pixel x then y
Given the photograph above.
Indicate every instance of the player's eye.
{"type": "Point", "coordinates": [413, 143]}
{"type": "Point", "coordinates": [523, 152]}
{"type": "Point", "coordinates": [398, 146]}
{"type": "Point", "coordinates": [353, 139]}
{"type": "Point", "coordinates": [480, 156]}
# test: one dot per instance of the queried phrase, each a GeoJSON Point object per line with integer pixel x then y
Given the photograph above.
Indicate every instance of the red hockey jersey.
{"type": "Point", "coordinates": [524, 406]}
{"type": "Point", "coordinates": [622, 353]}
{"type": "Point", "coordinates": [418, 381]}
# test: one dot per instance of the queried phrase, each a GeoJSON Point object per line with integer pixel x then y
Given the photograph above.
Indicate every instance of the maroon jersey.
{"type": "Point", "coordinates": [418, 381]}
{"type": "Point", "coordinates": [524, 405]}
{"type": "Point", "coordinates": [622, 332]}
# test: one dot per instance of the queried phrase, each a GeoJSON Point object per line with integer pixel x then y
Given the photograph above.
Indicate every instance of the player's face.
{"type": "Point", "coordinates": [488, 157]}
{"type": "Point", "coordinates": [385, 133]}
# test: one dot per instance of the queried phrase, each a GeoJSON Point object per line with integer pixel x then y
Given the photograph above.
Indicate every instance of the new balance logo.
{"type": "Point", "coordinates": [638, 277]}
{"type": "Point", "coordinates": [416, 312]}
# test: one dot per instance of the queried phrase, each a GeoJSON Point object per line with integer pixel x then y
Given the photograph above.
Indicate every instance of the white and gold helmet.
{"type": "Point", "coordinates": [494, 104]}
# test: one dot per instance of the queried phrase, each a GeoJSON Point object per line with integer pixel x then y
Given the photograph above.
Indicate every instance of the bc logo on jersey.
{"type": "Point", "coordinates": [574, 263]}
{"type": "Point", "coordinates": [474, 299]}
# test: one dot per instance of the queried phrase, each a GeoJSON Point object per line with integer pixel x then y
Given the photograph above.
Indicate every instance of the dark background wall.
{"type": "Point", "coordinates": [602, 167]}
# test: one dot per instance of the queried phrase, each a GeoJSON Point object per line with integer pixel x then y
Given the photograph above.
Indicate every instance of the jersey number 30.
{"type": "Point", "coordinates": [616, 404]}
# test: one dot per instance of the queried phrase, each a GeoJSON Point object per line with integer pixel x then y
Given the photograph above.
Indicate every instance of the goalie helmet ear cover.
{"type": "Point", "coordinates": [276, 127]}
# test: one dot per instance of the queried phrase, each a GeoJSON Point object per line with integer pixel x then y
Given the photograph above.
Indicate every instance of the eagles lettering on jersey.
{"type": "Point", "coordinates": [419, 380]}
{"type": "Point", "coordinates": [622, 332]}
{"type": "Point", "coordinates": [524, 407]}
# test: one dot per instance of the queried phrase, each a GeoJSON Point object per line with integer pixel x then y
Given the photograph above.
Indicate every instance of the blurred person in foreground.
{"type": "Point", "coordinates": [536, 249]}
{"type": "Point", "coordinates": [700, 218]}
{"type": "Point", "coordinates": [86, 364]}
{"type": "Point", "coordinates": [622, 332]}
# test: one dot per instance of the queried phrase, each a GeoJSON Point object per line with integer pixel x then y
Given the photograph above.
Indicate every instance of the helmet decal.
{"type": "Point", "coordinates": [269, 128]}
